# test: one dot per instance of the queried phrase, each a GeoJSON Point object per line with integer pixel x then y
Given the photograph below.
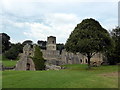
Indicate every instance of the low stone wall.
{"type": "Point", "coordinates": [54, 62]}
{"type": "Point", "coordinates": [52, 67]}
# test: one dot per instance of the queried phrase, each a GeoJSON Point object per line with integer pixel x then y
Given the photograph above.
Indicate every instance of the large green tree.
{"type": "Point", "coordinates": [38, 59]}
{"type": "Point", "coordinates": [89, 38]}
{"type": "Point", "coordinates": [114, 55]}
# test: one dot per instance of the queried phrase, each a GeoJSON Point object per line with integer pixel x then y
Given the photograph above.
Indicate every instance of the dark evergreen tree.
{"type": "Point", "coordinates": [38, 59]}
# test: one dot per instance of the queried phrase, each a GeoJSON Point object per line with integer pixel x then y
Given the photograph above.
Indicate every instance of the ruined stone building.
{"type": "Point", "coordinates": [52, 56]}
{"type": "Point", "coordinates": [26, 62]}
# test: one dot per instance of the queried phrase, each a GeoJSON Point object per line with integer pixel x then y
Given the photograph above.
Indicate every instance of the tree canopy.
{"type": "Point", "coordinates": [14, 51]}
{"type": "Point", "coordinates": [89, 37]}
{"type": "Point", "coordinates": [114, 55]}
{"type": "Point", "coordinates": [60, 47]}
{"type": "Point", "coordinates": [27, 42]}
{"type": "Point", "coordinates": [5, 41]}
{"type": "Point", "coordinates": [42, 44]}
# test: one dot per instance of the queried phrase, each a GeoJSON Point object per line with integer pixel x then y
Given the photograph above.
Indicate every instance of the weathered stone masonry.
{"type": "Point", "coordinates": [53, 56]}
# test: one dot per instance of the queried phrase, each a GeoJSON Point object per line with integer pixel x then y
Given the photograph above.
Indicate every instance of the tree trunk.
{"type": "Point", "coordinates": [88, 56]}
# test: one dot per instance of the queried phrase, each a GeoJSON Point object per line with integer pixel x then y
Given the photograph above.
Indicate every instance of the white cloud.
{"type": "Point", "coordinates": [58, 1]}
{"type": "Point", "coordinates": [61, 18]}
{"type": "Point", "coordinates": [57, 24]}
{"type": "Point", "coordinates": [16, 41]}
{"type": "Point", "coordinates": [110, 23]}
{"type": "Point", "coordinates": [53, 17]}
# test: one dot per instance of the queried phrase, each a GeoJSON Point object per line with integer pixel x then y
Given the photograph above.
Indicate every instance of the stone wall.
{"type": "Point", "coordinates": [54, 56]}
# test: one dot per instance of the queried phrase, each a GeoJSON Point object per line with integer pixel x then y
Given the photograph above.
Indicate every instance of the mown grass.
{"type": "Point", "coordinates": [9, 63]}
{"type": "Point", "coordinates": [75, 76]}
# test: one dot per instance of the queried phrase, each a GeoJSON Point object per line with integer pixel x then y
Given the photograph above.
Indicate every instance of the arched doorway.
{"type": "Point", "coordinates": [81, 60]}
{"type": "Point", "coordinates": [28, 67]}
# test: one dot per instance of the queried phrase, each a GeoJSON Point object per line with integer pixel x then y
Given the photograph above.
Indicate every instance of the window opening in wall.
{"type": "Point", "coordinates": [86, 61]}
{"type": "Point", "coordinates": [53, 42]}
{"type": "Point", "coordinates": [81, 60]}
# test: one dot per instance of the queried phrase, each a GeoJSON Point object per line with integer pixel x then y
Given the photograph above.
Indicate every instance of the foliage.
{"type": "Point", "coordinates": [89, 38]}
{"type": "Point", "coordinates": [27, 42]}
{"type": "Point", "coordinates": [38, 59]}
{"type": "Point", "coordinates": [114, 55]}
{"type": "Point", "coordinates": [42, 44]}
{"type": "Point", "coordinates": [60, 47]}
{"type": "Point", "coordinates": [5, 42]}
{"type": "Point", "coordinates": [13, 52]}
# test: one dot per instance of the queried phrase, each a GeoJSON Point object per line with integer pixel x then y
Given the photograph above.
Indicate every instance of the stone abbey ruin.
{"type": "Point", "coordinates": [53, 56]}
{"type": "Point", "coordinates": [25, 62]}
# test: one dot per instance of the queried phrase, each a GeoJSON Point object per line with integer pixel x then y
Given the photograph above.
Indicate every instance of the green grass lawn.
{"type": "Point", "coordinates": [6, 62]}
{"type": "Point", "coordinates": [75, 76]}
{"type": "Point", "coordinates": [9, 63]}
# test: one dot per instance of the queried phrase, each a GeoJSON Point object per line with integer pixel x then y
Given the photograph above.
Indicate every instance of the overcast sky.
{"type": "Point", "coordinates": [37, 19]}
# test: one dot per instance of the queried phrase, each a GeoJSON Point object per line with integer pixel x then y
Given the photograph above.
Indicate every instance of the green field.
{"type": "Point", "coordinates": [9, 63]}
{"type": "Point", "coordinates": [75, 76]}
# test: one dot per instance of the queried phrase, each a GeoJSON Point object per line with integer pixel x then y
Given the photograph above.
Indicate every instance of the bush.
{"type": "Point", "coordinates": [13, 52]}
{"type": "Point", "coordinates": [38, 59]}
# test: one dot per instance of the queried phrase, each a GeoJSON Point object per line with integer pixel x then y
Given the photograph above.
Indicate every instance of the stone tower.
{"type": "Point", "coordinates": [51, 43]}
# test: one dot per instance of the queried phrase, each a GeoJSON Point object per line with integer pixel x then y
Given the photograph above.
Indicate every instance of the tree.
{"type": "Point", "coordinates": [27, 42]}
{"type": "Point", "coordinates": [89, 38]}
{"type": "Point", "coordinates": [60, 47]}
{"type": "Point", "coordinates": [5, 42]}
{"type": "Point", "coordinates": [18, 46]}
{"type": "Point", "coordinates": [13, 52]}
{"type": "Point", "coordinates": [38, 59]}
{"type": "Point", "coordinates": [114, 55]}
{"type": "Point", "coordinates": [42, 44]}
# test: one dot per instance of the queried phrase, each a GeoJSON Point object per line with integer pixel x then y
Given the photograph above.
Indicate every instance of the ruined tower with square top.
{"type": "Point", "coordinates": [51, 43]}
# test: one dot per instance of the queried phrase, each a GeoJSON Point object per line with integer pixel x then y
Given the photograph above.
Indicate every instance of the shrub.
{"type": "Point", "coordinates": [13, 52]}
{"type": "Point", "coordinates": [38, 59]}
